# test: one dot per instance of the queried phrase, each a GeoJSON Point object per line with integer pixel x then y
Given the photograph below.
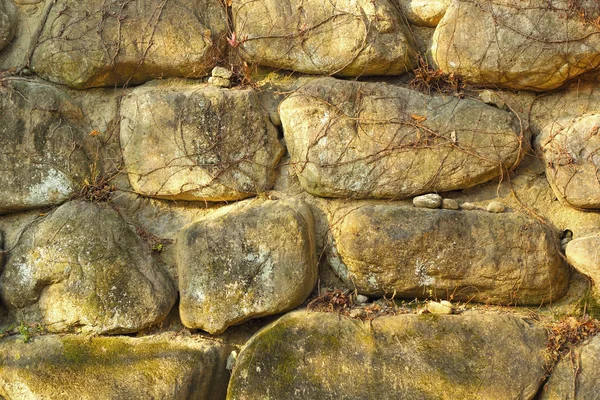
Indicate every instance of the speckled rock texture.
{"type": "Point", "coordinates": [82, 268]}
{"type": "Point", "coordinates": [112, 43]}
{"type": "Point", "coordinates": [183, 141]}
{"type": "Point", "coordinates": [464, 255]}
{"type": "Point", "coordinates": [78, 367]}
{"type": "Point", "coordinates": [246, 261]}
{"type": "Point", "coordinates": [322, 355]}
{"type": "Point", "coordinates": [42, 156]}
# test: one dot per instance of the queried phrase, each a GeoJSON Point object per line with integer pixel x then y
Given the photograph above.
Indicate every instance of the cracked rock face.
{"type": "Point", "coordinates": [184, 141]}
{"type": "Point", "coordinates": [42, 157]}
{"type": "Point", "coordinates": [531, 45]}
{"type": "Point", "coordinates": [82, 268]}
{"type": "Point", "coordinates": [246, 261]}
{"type": "Point", "coordinates": [570, 149]}
{"type": "Point", "coordinates": [463, 255]}
{"type": "Point", "coordinates": [323, 355]}
{"type": "Point", "coordinates": [345, 37]}
{"type": "Point", "coordinates": [112, 43]}
{"type": "Point", "coordinates": [374, 140]}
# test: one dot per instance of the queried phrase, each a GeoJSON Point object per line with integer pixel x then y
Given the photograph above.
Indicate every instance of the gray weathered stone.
{"type": "Point", "coordinates": [323, 356]}
{"type": "Point", "coordinates": [85, 43]}
{"type": "Point", "coordinates": [185, 141]}
{"type": "Point", "coordinates": [576, 375]}
{"type": "Point", "coordinates": [374, 140]}
{"type": "Point", "coordinates": [469, 256]}
{"type": "Point", "coordinates": [83, 268]}
{"type": "Point", "coordinates": [346, 37]}
{"type": "Point", "coordinates": [246, 261]}
{"type": "Point", "coordinates": [570, 149]}
{"type": "Point", "coordinates": [8, 22]}
{"type": "Point", "coordinates": [42, 157]}
{"type": "Point", "coordinates": [88, 368]}
{"type": "Point", "coordinates": [517, 44]}
{"type": "Point", "coordinates": [430, 200]}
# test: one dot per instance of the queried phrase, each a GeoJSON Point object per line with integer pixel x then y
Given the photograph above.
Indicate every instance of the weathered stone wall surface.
{"type": "Point", "coordinates": [299, 199]}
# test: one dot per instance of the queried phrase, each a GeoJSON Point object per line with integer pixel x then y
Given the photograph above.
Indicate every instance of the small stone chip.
{"type": "Point", "coordinates": [469, 206]}
{"type": "Point", "coordinates": [220, 72]}
{"type": "Point", "coordinates": [361, 299]}
{"type": "Point", "coordinates": [430, 200]}
{"type": "Point", "coordinates": [450, 204]}
{"type": "Point", "coordinates": [443, 307]}
{"type": "Point", "coordinates": [495, 207]}
{"type": "Point", "coordinates": [219, 82]}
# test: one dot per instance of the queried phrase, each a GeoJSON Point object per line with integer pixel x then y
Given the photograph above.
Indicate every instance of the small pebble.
{"type": "Point", "coordinates": [490, 97]}
{"type": "Point", "coordinates": [495, 207]}
{"type": "Point", "coordinates": [450, 204]}
{"type": "Point", "coordinates": [220, 72]}
{"type": "Point", "coordinates": [443, 307]}
{"type": "Point", "coordinates": [231, 360]}
{"type": "Point", "coordinates": [219, 82]}
{"type": "Point", "coordinates": [361, 299]}
{"type": "Point", "coordinates": [430, 200]}
{"type": "Point", "coordinates": [468, 206]}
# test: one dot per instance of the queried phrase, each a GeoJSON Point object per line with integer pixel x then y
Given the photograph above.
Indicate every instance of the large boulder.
{"type": "Point", "coordinates": [325, 356]}
{"type": "Point", "coordinates": [250, 260]}
{"type": "Point", "coordinates": [42, 156]}
{"type": "Point", "coordinates": [88, 43]}
{"type": "Point", "coordinates": [77, 367]}
{"type": "Point", "coordinates": [584, 254]}
{"type": "Point", "coordinates": [425, 13]}
{"type": "Point", "coordinates": [570, 149]}
{"type": "Point", "coordinates": [346, 37]}
{"type": "Point", "coordinates": [83, 268]}
{"type": "Point", "coordinates": [462, 255]}
{"type": "Point", "coordinates": [8, 22]}
{"type": "Point", "coordinates": [361, 140]}
{"type": "Point", "coordinates": [195, 142]}
{"type": "Point", "coordinates": [576, 375]}
{"type": "Point", "coordinates": [517, 44]}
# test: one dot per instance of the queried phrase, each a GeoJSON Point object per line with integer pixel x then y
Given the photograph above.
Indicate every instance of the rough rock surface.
{"type": "Point", "coordinates": [374, 140]}
{"type": "Point", "coordinates": [576, 377]}
{"type": "Point", "coordinates": [78, 367]}
{"type": "Point", "coordinates": [570, 148]}
{"type": "Point", "coordinates": [346, 37]}
{"type": "Point", "coordinates": [584, 255]}
{"type": "Point", "coordinates": [8, 22]}
{"type": "Point", "coordinates": [483, 257]}
{"type": "Point", "coordinates": [322, 355]}
{"type": "Point", "coordinates": [531, 44]}
{"type": "Point", "coordinates": [426, 13]}
{"type": "Point", "coordinates": [194, 142]}
{"type": "Point", "coordinates": [83, 268]}
{"type": "Point", "coordinates": [42, 160]}
{"type": "Point", "coordinates": [250, 260]}
{"type": "Point", "coordinates": [88, 43]}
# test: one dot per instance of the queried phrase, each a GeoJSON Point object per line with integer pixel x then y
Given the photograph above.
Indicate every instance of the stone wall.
{"type": "Point", "coordinates": [299, 199]}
